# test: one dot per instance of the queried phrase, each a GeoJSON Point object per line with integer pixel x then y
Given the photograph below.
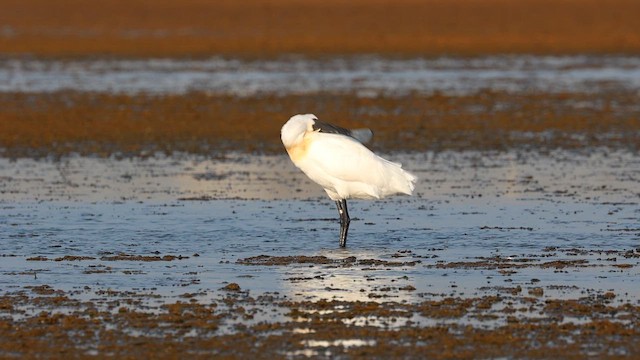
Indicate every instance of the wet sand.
{"type": "Point", "coordinates": [260, 28]}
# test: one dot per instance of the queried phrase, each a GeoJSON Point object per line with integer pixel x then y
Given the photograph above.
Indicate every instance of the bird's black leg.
{"type": "Point", "coordinates": [344, 221]}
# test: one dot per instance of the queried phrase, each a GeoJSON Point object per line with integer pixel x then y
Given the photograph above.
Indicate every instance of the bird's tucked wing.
{"type": "Point", "coordinates": [340, 157]}
{"type": "Point", "coordinates": [347, 169]}
{"type": "Point", "coordinates": [362, 135]}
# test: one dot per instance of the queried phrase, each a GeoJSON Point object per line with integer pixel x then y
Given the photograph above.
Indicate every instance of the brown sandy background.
{"type": "Point", "coordinates": [174, 28]}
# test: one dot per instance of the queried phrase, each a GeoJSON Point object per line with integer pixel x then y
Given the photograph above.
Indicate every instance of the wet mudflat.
{"type": "Point", "coordinates": [513, 253]}
{"type": "Point", "coordinates": [147, 209]}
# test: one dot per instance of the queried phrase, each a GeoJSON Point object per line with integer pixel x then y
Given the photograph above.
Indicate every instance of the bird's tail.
{"type": "Point", "coordinates": [401, 181]}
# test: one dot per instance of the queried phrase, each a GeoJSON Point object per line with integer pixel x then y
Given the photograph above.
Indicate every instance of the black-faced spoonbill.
{"type": "Point", "coordinates": [335, 159]}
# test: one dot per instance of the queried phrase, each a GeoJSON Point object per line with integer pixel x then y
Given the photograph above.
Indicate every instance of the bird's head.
{"type": "Point", "coordinates": [293, 130]}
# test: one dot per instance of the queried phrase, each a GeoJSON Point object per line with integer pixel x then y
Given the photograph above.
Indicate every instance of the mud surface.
{"type": "Point", "coordinates": [231, 324]}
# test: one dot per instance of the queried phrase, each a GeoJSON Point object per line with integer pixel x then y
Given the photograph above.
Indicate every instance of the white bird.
{"type": "Point", "coordinates": [335, 159]}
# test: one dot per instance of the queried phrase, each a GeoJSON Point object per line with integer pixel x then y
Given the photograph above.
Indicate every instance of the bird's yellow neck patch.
{"type": "Point", "coordinates": [298, 151]}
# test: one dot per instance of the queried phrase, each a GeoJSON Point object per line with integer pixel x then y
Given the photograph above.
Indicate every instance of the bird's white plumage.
{"type": "Point", "coordinates": [344, 167]}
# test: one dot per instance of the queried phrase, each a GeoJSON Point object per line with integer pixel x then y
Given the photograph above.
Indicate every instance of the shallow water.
{"type": "Point", "coordinates": [523, 210]}
{"type": "Point", "coordinates": [366, 75]}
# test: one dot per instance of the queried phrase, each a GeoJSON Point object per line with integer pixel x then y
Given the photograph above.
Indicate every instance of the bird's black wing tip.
{"type": "Point", "coordinates": [330, 128]}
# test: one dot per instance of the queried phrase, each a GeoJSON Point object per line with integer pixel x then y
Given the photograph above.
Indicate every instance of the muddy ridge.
{"type": "Point", "coordinates": [102, 124]}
